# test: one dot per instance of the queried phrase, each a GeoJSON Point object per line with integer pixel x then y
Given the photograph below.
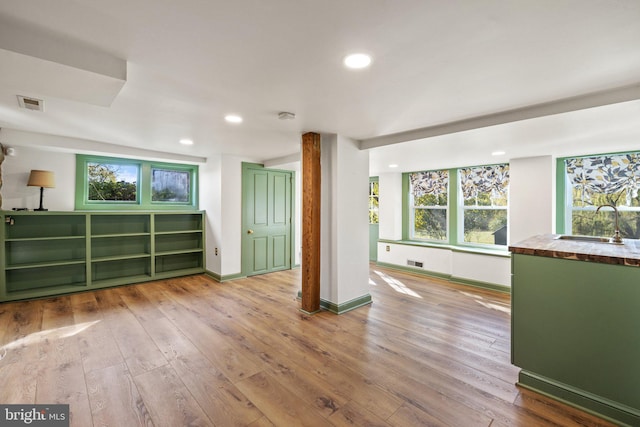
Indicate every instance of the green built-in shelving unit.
{"type": "Point", "coordinates": [50, 253]}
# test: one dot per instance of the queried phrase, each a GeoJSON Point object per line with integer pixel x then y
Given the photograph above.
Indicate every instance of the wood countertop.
{"type": "Point", "coordinates": [547, 245]}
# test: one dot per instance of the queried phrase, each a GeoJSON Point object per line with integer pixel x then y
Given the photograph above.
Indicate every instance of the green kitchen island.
{"type": "Point", "coordinates": [575, 329]}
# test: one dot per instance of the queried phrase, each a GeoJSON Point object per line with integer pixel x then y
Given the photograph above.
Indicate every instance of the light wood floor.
{"type": "Point", "coordinates": [190, 352]}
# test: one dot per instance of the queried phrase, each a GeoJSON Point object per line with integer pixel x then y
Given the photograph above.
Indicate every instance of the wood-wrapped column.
{"type": "Point", "coordinates": [311, 188]}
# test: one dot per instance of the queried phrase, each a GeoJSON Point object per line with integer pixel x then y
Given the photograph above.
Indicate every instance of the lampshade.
{"type": "Point", "coordinates": [39, 178]}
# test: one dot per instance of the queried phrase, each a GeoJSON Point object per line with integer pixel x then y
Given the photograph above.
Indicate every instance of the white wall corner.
{"type": "Point", "coordinates": [531, 197]}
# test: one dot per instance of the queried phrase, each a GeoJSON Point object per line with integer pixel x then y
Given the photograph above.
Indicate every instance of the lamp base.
{"type": "Point", "coordinates": [40, 209]}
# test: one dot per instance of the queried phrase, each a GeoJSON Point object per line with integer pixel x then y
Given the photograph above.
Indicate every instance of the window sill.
{"type": "Point", "coordinates": [454, 248]}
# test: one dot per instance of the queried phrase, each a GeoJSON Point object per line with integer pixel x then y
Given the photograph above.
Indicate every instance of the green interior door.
{"type": "Point", "coordinates": [266, 243]}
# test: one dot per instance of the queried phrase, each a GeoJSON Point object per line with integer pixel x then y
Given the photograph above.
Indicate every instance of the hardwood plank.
{"type": "Point", "coordinates": [61, 377]}
{"type": "Point", "coordinates": [168, 400]}
{"type": "Point", "coordinates": [23, 332]}
{"type": "Point", "coordinates": [352, 414]}
{"type": "Point", "coordinates": [409, 416]}
{"type": "Point", "coordinates": [114, 398]}
{"type": "Point", "coordinates": [217, 396]}
{"type": "Point", "coordinates": [280, 405]}
{"type": "Point", "coordinates": [19, 382]}
{"type": "Point", "coordinates": [64, 382]}
{"type": "Point", "coordinates": [58, 341]}
{"type": "Point", "coordinates": [97, 346]}
{"type": "Point", "coordinates": [223, 353]}
{"type": "Point", "coordinates": [262, 422]}
{"type": "Point", "coordinates": [138, 349]}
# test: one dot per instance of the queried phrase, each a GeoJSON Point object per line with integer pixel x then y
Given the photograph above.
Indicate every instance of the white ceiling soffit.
{"type": "Point", "coordinates": [576, 103]}
{"type": "Point", "coordinates": [38, 63]}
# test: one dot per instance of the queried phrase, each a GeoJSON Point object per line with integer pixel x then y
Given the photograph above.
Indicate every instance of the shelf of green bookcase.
{"type": "Point", "coordinates": [38, 251]}
{"type": "Point", "coordinates": [43, 264]}
{"type": "Point", "coordinates": [44, 225]}
{"type": "Point", "coordinates": [187, 260]}
{"type": "Point", "coordinates": [178, 241]}
{"type": "Point", "coordinates": [121, 268]}
{"type": "Point", "coordinates": [165, 223]}
{"type": "Point", "coordinates": [120, 257]}
{"type": "Point", "coordinates": [46, 277]}
{"type": "Point", "coordinates": [120, 224]}
{"type": "Point", "coordinates": [120, 245]}
{"type": "Point", "coordinates": [39, 239]}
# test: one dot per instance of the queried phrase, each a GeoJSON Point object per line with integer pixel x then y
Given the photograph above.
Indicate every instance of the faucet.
{"type": "Point", "coordinates": [616, 235]}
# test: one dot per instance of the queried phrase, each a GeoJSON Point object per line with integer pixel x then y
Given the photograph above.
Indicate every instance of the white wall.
{"type": "Point", "coordinates": [231, 215]}
{"type": "Point", "coordinates": [390, 212]}
{"type": "Point", "coordinates": [15, 174]}
{"type": "Point", "coordinates": [344, 225]}
{"type": "Point", "coordinates": [531, 197]}
{"type": "Point", "coordinates": [210, 181]}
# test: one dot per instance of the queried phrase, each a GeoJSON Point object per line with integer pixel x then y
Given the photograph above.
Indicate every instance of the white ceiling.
{"type": "Point", "coordinates": [434, 62]}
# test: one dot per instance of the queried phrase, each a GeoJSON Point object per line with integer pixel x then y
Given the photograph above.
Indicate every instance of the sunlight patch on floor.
{"type": "Point", "coordinates": [505, 308]}
{"type": "Point", "coordinates": [49, 334]}
{"type": "Point", "coordinates": [397, 285]}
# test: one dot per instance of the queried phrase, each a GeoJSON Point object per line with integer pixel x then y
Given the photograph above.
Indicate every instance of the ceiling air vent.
{"type": "Point", "coordinates": [31, 103]}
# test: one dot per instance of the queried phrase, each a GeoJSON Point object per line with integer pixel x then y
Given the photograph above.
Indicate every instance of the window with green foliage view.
{"type": "Point", "coordinates": [609, 179]}
{"type": "Point", "coordinates": [484, 192]}
{"type": "Point", "coordinates": [115, 183]}
{"type": "Point", "coordinates": [374, 202]}
{"type": "Point", "coordinates": [112, 182]}
{"type": "Point", "coordinates": [428, 203]}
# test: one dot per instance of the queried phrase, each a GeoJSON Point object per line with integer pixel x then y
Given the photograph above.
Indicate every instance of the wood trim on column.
{"type": "Point", "coordinates": [311, 180]}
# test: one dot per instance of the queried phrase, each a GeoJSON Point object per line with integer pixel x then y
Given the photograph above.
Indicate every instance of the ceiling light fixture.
{"type": "Point", "coordinates": [286, 116]}
{"type": "Point", "coordinates": [233, 118]}
{"type": "Point", "coordinates": [186, 141]}
{"type": "Point", "coordinates": [393, 165]}
{"type": "Point", "coordinates": [498, 153]}
{"type": "Point", "coordinates": [357, 61]}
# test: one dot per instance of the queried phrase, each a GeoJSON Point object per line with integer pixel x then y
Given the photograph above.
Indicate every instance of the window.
{"type": "Point", "coordinates": [170, 185]}
{"type": "Point", "coordinates": [610, 179]}
{"type": "Point", "coordinates": [112, 183]}
{"type": "Point", "coordinates": [428, 201]}
{"type": "Point", "coordinates": [484, 192]}
{"type": "Point", "coordinates": [374, 201]}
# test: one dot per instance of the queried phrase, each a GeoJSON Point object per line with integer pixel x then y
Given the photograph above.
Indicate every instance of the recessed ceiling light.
{"type": "Point", "coordinates": [233, 118]}
{"type": "Point", "coordinates": [357, 61]}
{"type": "Point", "coordinates": [498, 153]}
{"type": "Point", "coordinates": [186, 141]}
{"type": "Point", "coordinates": [393, 165]}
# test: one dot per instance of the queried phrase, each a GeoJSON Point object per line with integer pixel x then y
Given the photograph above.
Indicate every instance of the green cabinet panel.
{"type": "Point", "coordinates": [50, 253]}
{"type": "Point", "coordinates": [575, 330]}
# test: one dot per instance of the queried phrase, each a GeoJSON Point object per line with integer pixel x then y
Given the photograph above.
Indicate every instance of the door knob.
{"type": "Point", "coordinates": [250, 232]}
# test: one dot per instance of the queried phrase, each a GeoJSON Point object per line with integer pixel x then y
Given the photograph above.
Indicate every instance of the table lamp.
{"type": "Point", "coordinates": [42, 179]}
